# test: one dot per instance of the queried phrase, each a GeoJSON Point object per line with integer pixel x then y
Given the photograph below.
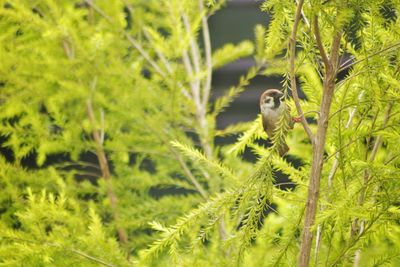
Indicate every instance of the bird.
{"type": "Point", "coordinates": [272, 108]}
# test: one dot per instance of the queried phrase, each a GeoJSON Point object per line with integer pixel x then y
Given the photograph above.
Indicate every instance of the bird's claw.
{"type": "Point", "coordinates": [296, 119]}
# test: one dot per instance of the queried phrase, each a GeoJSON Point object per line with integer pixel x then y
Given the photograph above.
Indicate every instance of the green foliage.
{"type": "Point", "coordinates": [54, 230]}
{"type": "Point", "coordinates": [230, 52]}
{"type": "Point", "coordinates": [224, 101]}
{"type": "Point", "coordinates": [109, 133]}
{"type": "Point", "coordinates": [254, 132]}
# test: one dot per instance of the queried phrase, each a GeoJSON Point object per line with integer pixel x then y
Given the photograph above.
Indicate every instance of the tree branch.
{"type": "Point", "coordinates": [105, 171]}
{"type": "Point", "coordinates": [318, 153]}
{"type": "Point", "coordinates": [98, 10]}
{"type": "Point", "coordinates": [164, 138]}
{"type": "Point", "coordinates": [139, 48]}
{"type": "Point", "coordinates": [98, 137]}
{"type": "Point", "coordinates": [335, 164]}
{"type": "Point", "coordinates": [304, 16]}
{"type": "Point", "coordinates": [144, 54]}
{"type": "Point", "coordinates": [159, 53]}
{"type": "Point", "coordinates": [200, 106]}
{"type": "Point", "coordinates": [378, 141]}
{"type": "Point", "coordinates": [189, 174]}
{"type": "Point", "coordinates": [208, 56]}
{"type": "Point", "coordinates": [335, 51]}
{"type": "Point", "coordinates": [166, 64]}
{"type": "Point", "coordinates": [87, 256]}
{"type": "Point", "coordinates": [292, 45]}
{"type": "Point", "coordinates": [189, 71]}
{"type": "Point", "coordinates": [195, 56]}
{"type": "Point", "coordinates": [129, 38]}
{"type": "Point", "coordinates": [318, 40]}
{"type": "Point", "coordinates": [331, 174]}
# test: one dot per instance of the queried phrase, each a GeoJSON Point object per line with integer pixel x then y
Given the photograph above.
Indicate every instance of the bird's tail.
{"type": "Point", "coordinates": [283, 149]}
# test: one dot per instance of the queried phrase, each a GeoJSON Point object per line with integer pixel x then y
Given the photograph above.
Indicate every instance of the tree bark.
{"type": "Point", "coordinates": [316, 169]}
{"type": "Point", "coordinates": [331, 67]}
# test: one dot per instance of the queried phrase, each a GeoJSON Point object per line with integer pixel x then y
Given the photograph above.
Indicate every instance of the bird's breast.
{"type": "Point", "coordinates": [271, 117]}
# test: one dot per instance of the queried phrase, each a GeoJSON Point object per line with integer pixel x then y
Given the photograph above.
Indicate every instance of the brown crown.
{"type": "Point", "coordinates": [270, 92]}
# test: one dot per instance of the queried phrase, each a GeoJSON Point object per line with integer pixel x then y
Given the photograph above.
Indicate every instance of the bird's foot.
{"type": "Point", "coordinates": [296, 119]}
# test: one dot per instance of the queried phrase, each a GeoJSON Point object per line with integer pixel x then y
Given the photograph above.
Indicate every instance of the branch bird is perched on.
{"type": "Point", "coordinates": [272, 108]}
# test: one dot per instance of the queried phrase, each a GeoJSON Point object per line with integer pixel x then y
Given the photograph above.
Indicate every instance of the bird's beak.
{"type": "Point", "coordinates": [279, 96]}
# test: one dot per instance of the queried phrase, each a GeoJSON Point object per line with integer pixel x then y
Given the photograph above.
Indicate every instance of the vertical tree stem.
{"type": "Point", "coordinates": [208, 56]}
{"type": "Point", "coordinates": [316, 169]}
{"type": "Point", "coordinates": [105, 171]}
{"type": "Point", "coordinates": [98, 137]}
{"type": "Point", "coordinates": [320, 138]}
{"type": "Point", "coordinates": [201, 107]}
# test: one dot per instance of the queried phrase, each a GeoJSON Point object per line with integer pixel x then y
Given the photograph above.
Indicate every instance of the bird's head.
{"type": "Point", "coordinates": [271, 100]}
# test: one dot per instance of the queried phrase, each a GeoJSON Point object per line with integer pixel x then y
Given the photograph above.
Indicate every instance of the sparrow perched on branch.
{"type": "Point", "coordinates": [272, 108]}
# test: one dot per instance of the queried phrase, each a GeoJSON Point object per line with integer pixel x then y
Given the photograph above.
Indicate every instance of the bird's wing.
{"type": "Point", "coordinates": [291, 120]}
{"type": "Point", "coordinates": [268, 127]}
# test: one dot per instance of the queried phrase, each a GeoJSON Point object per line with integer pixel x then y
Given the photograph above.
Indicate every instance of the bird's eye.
{"type": "Point", "coordinates": [268, 100]}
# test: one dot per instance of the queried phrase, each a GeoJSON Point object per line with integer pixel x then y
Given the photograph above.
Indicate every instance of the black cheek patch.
{"type": "Point", "coordinates": [277, 102]}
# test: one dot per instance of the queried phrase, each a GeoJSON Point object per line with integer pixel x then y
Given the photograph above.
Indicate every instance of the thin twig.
{"type": "Point", "coordinates": [105, 171]}
{"type": "Point", "coordinates": [344, 66]}
{"type": "Point", "coordinates": [144, 54]}
{"type": "Point", "coordinates": [309, 27]}
{"type": "Point", "coordinates": [102, 126]}
{"type": "Point", "coordinates": [76, 163]}
{"type": "Point", "coordinates": [159, 53]}
{"type": "Point", "coordinates": [200, 106]}
{"type": "Point", "coordinates": [208, 56]}
{"type": "Point", "coordinates": [318, 40]}
{"type": "Point", "coordinates": [159, 71]}
{"type": "Point", "coordinates": [193, 67]}
{"type": "Point", "coordinates": [189, 72]}
{"type": "Point", "coordinates": [195, 55]}
{"type": "Point", "coordinates": [99, 139]}
{"type": "Point", "coordinates": [377, 145]}
{"type": "Point", "coordinates": [189, 174]}
{"type": "Point", "coordinates": [98, 10]}
{"type": "Point", "coordinates": [166, 139]}
{"type": "Point", "coordinates": [68, 49]}
{"type": "Point", "coordinates": [351, 142]}
{"type": "Point", "coordinates": [335, 164]}
{"type": "Point", "coordinates": [129, 38]}
{"type": "Point", "coordinates": [304, 16]}
{"type": "Point", "coordinates": [391, 159]}
{"type": "Point", "coordinates": [378, 141]}
{"type": "Point", "coordinates": [51, 244]}
{"type": "Point", "coordinates": [318, 238]}
{"type": "Point", "coordinates": [166, 64]}
{"type": "Point", "coordinates": [353, 242]}
{"type": "Point", "coordinates": [83, 254]}
{"type": "Point", "coordinates": [292, 45]}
